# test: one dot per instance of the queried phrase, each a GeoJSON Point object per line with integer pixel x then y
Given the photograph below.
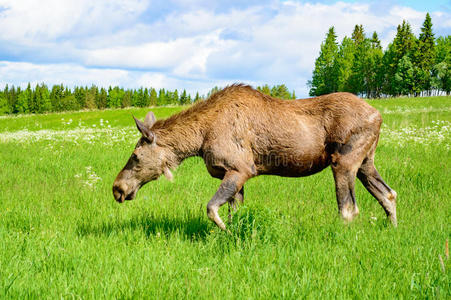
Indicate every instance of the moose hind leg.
{"type": "Point", "coordinates": [344, 189]}
{"type": "Point", "coordinates": [374, 183]}
{"type": "Point", "coordinates": [239, 197]}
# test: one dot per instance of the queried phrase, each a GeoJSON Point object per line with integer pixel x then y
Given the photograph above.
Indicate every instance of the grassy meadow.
{"type": "Point", "coordinates": [62, 235]}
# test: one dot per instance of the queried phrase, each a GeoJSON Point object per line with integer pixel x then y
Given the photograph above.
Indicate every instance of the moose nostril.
{"type": "Point", "coordinates": [118, 193]}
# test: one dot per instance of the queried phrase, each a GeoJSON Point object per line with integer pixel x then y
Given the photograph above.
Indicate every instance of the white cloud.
{"type": "Point", "coordinates": [31, 21]}
{"type": "Point", "coordinates": [182, 57]}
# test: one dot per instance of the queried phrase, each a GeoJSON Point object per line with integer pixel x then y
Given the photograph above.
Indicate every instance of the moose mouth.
{"type": "Point", "coordinates": [121, 197]}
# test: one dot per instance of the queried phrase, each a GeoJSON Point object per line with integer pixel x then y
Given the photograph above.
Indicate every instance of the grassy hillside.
{"type": "Point", "coordinates": [62, 234]}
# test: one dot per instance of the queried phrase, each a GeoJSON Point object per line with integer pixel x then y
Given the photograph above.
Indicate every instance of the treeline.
{"type": "Point", "coordinates": [412, 66]}
{"type": "Point", "coordinates": [278, 91]}
{"type": "Point", "coordinates": [41, 99]}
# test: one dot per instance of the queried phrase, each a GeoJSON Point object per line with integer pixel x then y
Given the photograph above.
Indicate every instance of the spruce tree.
{"type": "Point", "coordinates": [175, 97]}
{"type": "Point", "coordinates": [101, 98]}
{"type": "Point", "coordinates": [427, 44]}
{"type": "Point", "coordinates": [197, 97]}
{"type": "Point", "coordinates": [424, 56]}
{"type": "Point", "coordinates": [265, 89]}
{"type": "Point", "coordinates": [153, 97]}
{"type": "Point", "coordinates": [4, 108]}
{"type": "Point", "coordinates": [359, 79]}
{"type": "Point", "coordinates": [280, 91]}
{"type": "Point", "coordinates": [403, 44]}
{"type": "Point", "coordinates": [161, 97]}
{"type": "Point", "coordinates": [324, 79]}
{"type": "Point", "coordinates": [375, 61]}
{"type": "Point", "coordinates": [183, 98]}
{"type": "Point", "coordinates": [22, 103]}
{"type": "Point", "coordinates": [127, 99]}
{"type": "Point", "coordinates": [46, 104]}
{"type": "Point", "coordinates": [146, 98]}
{"type": "Point", "coordinates": [404, 40]}
{"type": "Point", "coordinates": [344, 63]}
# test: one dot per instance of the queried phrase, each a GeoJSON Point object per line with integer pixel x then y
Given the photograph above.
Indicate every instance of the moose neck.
{"type": "Point", "coordinates": [182, 137]}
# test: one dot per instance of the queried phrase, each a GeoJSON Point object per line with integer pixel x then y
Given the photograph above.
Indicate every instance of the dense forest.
{"type": "Point", "coordinates": [41, 99]}
{"type": "Point", "coordinates": [409, 66]}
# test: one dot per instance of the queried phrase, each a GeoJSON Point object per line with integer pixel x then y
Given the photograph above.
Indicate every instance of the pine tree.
{"type": "Point", "coordinates": [4, 108]}
{"type": "Point", "coordinates": [161, 97]}
{"type": "Point", "coordinates": [197, 97]}
{"type": "Point", "coordinates": [46, 104]}
{"type": "Point", "coordinates": [403, 44]}
{"type": "Point", "coordinates": [264, 89]}
{"type": "Point", "coordinates": [424, 56]}
{"type": "Point", "coordinates": [22, 103]}
{"type": "Point", "coordinates": [24, 100]}
{"type": "Point", "coordinates": [109, 99]}
{"type": "Point", "coordinates": [79, 94]}
{"type": "Point", "coordinates": [280, 91]}
{"type": "Point", "coordinates": [29, 94]}
{"type": "Point", "coordinates": [344, 63]}
{"type": "Point", "coordinates": [324, 79]}
{"type": "Point", "coordinates": [175, 97]}
{"type": "Point", "coordinates": [358, 35]}
{"type": "Point", "coordinates": [101, 98]}
{"type": "Point", "coordinates": [404, 40]}
{"type": "Point", "coordinates": [35, 100]}
{"type": "Point", "coordinates": [7, 95]}
{"type": "Point", "coordinates": [146, 98]}
{"type": "Point", "coordinates": [55, 97]}
{"type": "Point", "coordinates": [153, 97]}
{"type": "Point", "coordinates": [127, 99]}
{"type": "Point", "coordinates": [375, 62]}
{"type": "Point", "coordinates": [12, 99]}
{"type": "Point", "coordinates": [184, 98]}
{"type": "Point", "coordinates": [140, 98]}
{"type": "Point", "coordinates": [358, 81]}
{"type": "Point", "coordinates": [90, 97]}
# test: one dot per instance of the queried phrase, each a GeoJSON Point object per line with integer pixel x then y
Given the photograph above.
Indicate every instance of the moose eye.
{"type": "Point", "coordinates": [135, 157]}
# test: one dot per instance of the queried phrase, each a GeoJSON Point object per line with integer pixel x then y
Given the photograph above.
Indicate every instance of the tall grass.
{"type": "Point", "coordinates": [63, 236]}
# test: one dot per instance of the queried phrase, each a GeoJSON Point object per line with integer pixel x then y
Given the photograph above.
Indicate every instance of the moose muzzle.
{"type": "Point", "coordinates": [122, 191]}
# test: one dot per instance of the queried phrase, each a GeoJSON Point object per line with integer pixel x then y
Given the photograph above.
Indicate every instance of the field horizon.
{"type": "Point", "coordinates": [64, 236]}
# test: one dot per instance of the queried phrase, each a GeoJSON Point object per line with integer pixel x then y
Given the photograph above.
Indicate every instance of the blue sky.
{"type": "Point", "coordinates": [192, 45]}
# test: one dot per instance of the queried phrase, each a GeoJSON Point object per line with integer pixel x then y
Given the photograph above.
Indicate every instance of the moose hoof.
{"type": "Point", "coordinates": [393, 220]}
{"type": "Point", "coordinates": [212, 214]}
{"type": "Point", "coordinates": [348, 212]}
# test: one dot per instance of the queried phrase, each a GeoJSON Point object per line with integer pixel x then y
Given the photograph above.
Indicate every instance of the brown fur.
{"type": "Point", "coordinates": [242, 133]}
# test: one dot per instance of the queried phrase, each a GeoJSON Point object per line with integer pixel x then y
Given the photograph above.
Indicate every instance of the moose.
{"type": "Point", "coordinates": [241, 133]}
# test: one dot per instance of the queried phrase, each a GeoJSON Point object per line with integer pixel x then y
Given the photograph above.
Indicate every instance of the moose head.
{"type": "Point", "coordinates": [147, 162]}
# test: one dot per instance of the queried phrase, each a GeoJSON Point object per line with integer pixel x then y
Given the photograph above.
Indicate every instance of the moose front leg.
{"type": "Point", "coordinates": [231, 185]}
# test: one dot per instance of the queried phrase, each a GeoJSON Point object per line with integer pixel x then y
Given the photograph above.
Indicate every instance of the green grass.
{"type": "Point", "coordinates": [63, 236]}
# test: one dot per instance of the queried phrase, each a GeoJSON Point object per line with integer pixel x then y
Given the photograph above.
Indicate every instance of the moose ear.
{"type": "Point", "coordinates": [145, 130]}
{"type": "Point", "coordinates": [150, 119]}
